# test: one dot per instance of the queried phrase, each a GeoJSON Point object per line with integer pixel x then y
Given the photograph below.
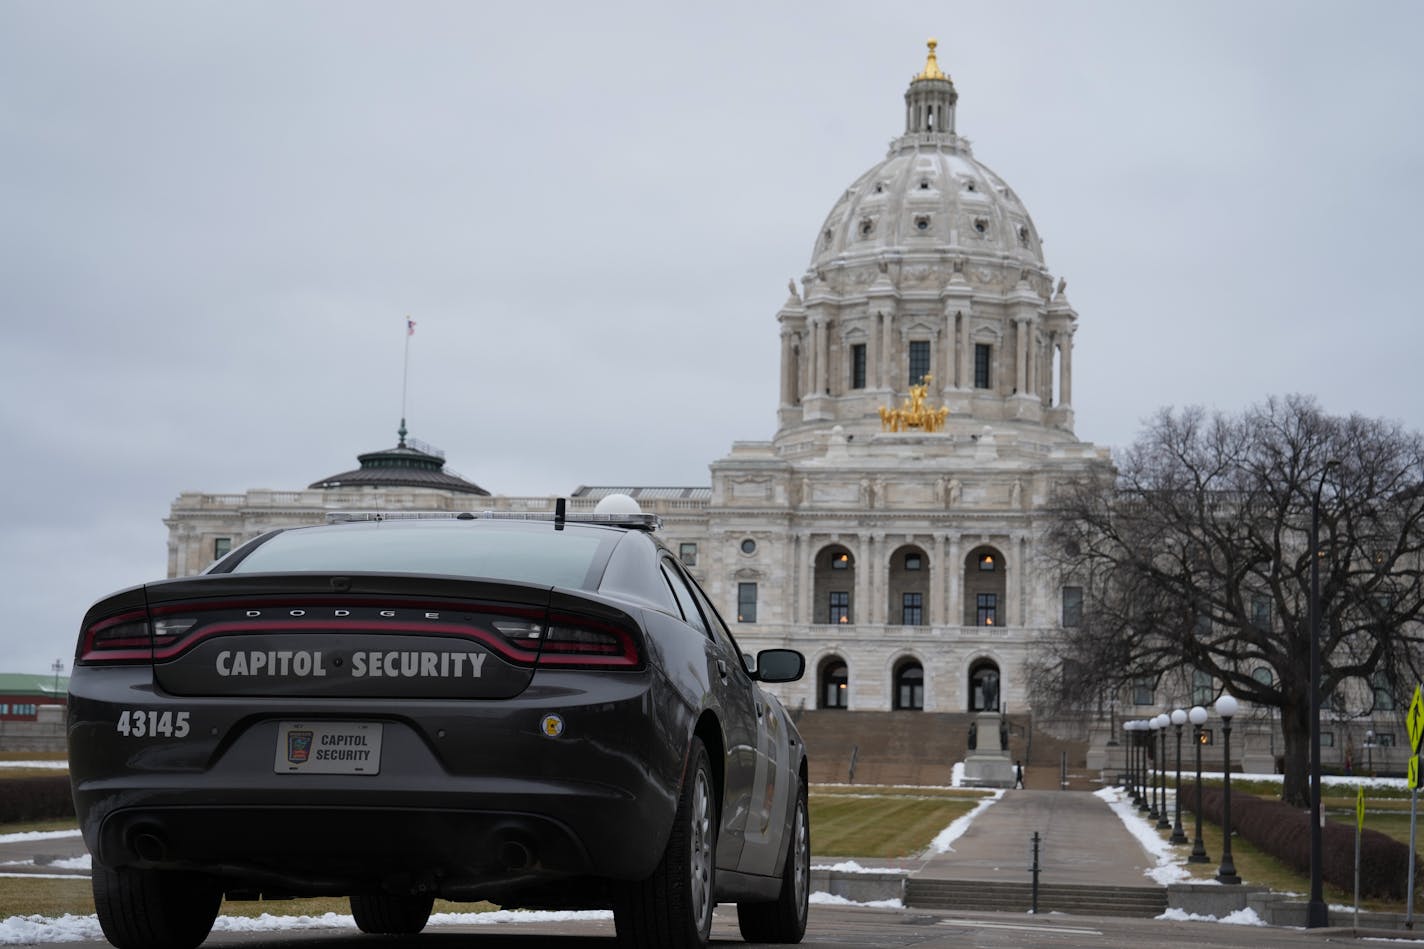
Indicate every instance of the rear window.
{"type": "Point", "coordinates": [568, 558]}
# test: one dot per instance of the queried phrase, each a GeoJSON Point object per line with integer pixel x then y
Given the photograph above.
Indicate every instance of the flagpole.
{"type": "Point", "coordinates": [405, 373]}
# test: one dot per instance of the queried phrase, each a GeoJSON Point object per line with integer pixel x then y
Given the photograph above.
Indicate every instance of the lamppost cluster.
{"type": "Point", "coordinates": [1146, 776]}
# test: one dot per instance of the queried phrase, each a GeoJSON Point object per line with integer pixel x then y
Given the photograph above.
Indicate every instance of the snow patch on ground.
{"type": "Point", "coordinates": [944, 840]}
{"type": "Point", "coordinates": [28, 930]}
{"type": "Point", "coordinates": [850, 866]}
{"type": "Point", "coordinates": [1241, 917]}
{"type": "Point", "coordinates": [37, 835]}
{"type": "Point", "coordinates": [830, 899]}
{"type": "Point", "coordinates": [1171, 864]}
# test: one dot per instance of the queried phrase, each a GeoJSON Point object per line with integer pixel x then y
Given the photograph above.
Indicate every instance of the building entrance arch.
{"type": "Point", "coordinates": [832, 683]}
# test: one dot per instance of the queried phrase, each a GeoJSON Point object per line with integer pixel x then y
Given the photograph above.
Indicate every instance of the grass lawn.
{"type": "Point", "coordinates": [855, 821]}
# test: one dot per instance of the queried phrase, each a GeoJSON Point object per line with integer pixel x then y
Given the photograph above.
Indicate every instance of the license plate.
{"type": "Point", "coordinates": [328, 748]}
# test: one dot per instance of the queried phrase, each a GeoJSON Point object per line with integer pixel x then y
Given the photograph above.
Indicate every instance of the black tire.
{"type": "Point", "coordinates": [784, 920]}
{"type": "Point", "coordinates": [154, 909]}
{"type": "Point", "coordinates": [672, 909]}
{"type": "Point", "coordinates": [391, 914]}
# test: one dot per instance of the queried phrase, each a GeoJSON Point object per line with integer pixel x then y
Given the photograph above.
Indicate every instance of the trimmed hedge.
{"type": "Point", "coordinates": [41, 798]}
{"type": "Point", "coordinates": [1283, 831]}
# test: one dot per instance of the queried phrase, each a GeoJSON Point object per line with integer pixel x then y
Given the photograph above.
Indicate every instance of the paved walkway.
{"type": "Point", "coordinates": [1081, 842]}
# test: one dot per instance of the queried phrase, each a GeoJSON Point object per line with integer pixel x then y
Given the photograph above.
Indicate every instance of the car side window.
{"type": "Point", "coordinates": [720, 632]}
{"type": "Point", "coordinates": [685, 598]}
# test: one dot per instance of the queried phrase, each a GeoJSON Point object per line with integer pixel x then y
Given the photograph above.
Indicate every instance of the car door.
{"type": "Point", "coordinates": [728, 681]}
{"type": "Point", "coordinates": [766, 794]}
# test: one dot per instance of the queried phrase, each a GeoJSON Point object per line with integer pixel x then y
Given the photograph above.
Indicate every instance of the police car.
{"type": "Point", "coordinates": [542, 712]}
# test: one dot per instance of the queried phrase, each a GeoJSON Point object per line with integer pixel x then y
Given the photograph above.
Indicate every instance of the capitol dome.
{"type": "Point", "coordinates": [929, 194]}
{"type": "Point", "coordinates": [926, 290]}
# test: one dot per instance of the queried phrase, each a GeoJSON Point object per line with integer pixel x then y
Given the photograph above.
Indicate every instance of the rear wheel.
{"type": "Point", "coordinates": [390, 913]}
{"type": "Point", "coordinates": [154, 909]}
{"type": "Point", "coordinates": [784, 920]}
{"type": "Point", "coordinates": [672, 909]}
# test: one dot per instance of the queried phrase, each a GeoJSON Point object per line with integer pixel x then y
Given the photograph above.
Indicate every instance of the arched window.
{"type": "Point", "coordinates": [984, 588]}
{"type": "Point", "coordinates": [834, 684]}
{"type": "Point", "coordinates": [834, 587]}
{"type": "Point", "coordinates": [908, 581]}
{"type": "Point", "coordinates": [910, 686]}
{"type": "Point", "coordinates": [984, 686]}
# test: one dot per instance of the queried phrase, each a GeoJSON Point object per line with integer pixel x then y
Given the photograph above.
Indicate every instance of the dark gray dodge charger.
{"type": "Point", "coordinates": [542, 712]}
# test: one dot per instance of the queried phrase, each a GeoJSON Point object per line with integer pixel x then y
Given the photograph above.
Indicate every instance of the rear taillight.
{"type": "Point", "coordinates": [573, 642]}
{"type": "Point", "coordinates": [570, 642]}
{"type": "Point", "coordinates": [122, 638]}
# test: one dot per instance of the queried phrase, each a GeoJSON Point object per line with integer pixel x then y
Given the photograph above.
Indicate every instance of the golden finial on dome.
{"type": "Point", "coordinates": [931, 70]}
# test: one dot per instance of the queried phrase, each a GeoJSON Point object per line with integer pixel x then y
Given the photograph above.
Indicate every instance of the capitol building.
{"type": "Point", "coordinates": [892, 528]}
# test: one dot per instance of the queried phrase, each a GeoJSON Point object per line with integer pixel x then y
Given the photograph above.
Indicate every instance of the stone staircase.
{"type": "Point", "coordinates": [921, 748]}
{"type": "Point", "coordinates": [1142, 902]}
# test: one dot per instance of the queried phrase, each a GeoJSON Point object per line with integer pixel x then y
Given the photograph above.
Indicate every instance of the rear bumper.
{"type": "Point", "coordinates": [472, 797]}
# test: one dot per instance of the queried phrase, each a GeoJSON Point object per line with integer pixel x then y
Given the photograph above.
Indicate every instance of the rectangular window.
{"type": "Point", "coordinates": [687, 553]}
{"type": "Point", "coordinates": [1384, 698]}
{"type": "Point", "coordinates": [919, 361]}
{"type": "Point", "coordinates": [1144, 691]}
{"type": "Point", "coordinates": [1384, 739]}
{"type": "Point", "coordinates": [1260, 612]}
{"type": "Point", "coordinates": [982, 352]}
{"type": "Point", "coordinates": [988, 609]}
{"type": "Point", "coordinates": [1072, 606]}
{"type": "Point", "coordinates": [1207, 737]}
{"type": "Point", "coordinates": [221, 547]}
{"type": "Point", "coordinates": [1202, 691]}
{"type": "Point", "coordinates": [746, 602]}
{"type": "Point", "coordinates": [840, 606]}
{"type": "Point", "coordinates": [911, 610]}
{"type": "Point", "coordinates": [1327, 739]}
{"type": "Point", "coordinates": [857, 366]}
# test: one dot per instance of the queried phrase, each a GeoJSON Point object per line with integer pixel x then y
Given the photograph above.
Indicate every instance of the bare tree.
{"type": "Point", "coordinates": [1194, 556]}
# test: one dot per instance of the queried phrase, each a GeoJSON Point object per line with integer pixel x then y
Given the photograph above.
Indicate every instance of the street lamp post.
{"type": "Point", "coordinates": [1316, 915]}
{"type": "Point", "coordinates": [1179, 718]}
{"type": "Point", "coordinates": [1162, 721]}
{"type": "Point", "coordinates": [1226, 708]}
{"type": "Point", "coordinates": [1139, 770]}
{"type": "Point", "coordinates": [1198, 718]}
{"type": "Point", "coordinates": [1370, 750]}
{"type": "Point", "coordinates": [1152, 728]}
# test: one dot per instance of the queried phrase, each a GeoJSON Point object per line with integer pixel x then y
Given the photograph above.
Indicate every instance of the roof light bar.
{"type": "Point", "coordinates": [642, 522]}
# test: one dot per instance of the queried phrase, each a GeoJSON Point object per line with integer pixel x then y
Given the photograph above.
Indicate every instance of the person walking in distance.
{"type": "Point", "coordinates": [1018, 774]}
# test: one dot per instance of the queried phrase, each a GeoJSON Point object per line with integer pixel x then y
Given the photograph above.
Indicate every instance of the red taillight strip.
{"type": "Point", "coordinates": [129, 649]}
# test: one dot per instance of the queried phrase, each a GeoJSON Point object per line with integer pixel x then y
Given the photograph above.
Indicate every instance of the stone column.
{"type": "Point", "coordinates": [872, 351]}
{"type": "Point", "coordinates": [966, 353]}
{"type": "Point", "coordinates": [887, 351]}
{"type": "Point", "coordinates": [807, 578]}
{"type": "Point", "coordinates": [954, 606]}
{"type": "Point", "coordinates": [1065, 369]}
{"type": "Point", "coordinates": [788, 368]}
{"type": "Point", "coordinates": [864, 582]}
{"type": "Point", "coordinates": [822, 356]}
{"type": "Point", "coordinates": [1021, 355]}
{"type": "Point", "coordinates": [936, 612]}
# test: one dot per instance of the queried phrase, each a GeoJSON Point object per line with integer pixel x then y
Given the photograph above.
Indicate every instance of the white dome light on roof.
{"type": "Point", "coordinates": [617, 504]}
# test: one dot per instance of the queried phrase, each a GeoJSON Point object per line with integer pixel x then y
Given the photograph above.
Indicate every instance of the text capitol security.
{"type": "Point", "coordinates": [372, 663]}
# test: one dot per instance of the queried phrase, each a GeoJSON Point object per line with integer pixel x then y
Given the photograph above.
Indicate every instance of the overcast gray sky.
{"type": "Point", "coordinates": [215, 217]}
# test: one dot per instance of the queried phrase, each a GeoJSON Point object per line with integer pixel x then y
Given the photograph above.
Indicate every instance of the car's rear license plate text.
{"type": "Point", "coordinates": [328, 748]}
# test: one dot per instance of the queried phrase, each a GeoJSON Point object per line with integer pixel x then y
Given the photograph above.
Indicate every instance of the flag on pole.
{"type": "Point", "coordinates": [409, 326]}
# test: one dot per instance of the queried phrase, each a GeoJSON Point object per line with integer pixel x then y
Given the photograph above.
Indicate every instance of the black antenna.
{"type": "Point", "coordinates": [559, 507]}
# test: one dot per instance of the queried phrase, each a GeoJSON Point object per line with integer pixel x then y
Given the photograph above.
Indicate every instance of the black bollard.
{"type": "Point", "coordinates": [1034, 870]}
